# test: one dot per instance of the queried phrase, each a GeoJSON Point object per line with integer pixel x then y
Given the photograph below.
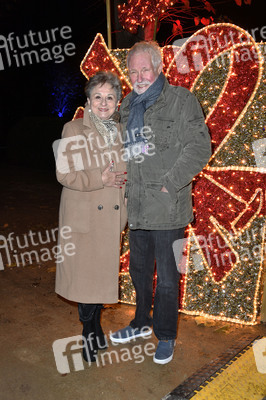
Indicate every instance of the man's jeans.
{"type": "Point", "coordinates": [145, 246]}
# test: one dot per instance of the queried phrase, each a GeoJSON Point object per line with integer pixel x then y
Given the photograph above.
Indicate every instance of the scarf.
{"type": "Point", "coordinates": [138, 104]}
{"type": "Point", "coordinates": [106, 128]}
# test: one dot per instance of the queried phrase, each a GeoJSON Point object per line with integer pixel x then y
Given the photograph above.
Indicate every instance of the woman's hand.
{"type": "Point", "coordinates": [113, 179]}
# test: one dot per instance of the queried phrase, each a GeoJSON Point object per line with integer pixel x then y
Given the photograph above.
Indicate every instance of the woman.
{"type": "Point", "coordinates": [92, 210]}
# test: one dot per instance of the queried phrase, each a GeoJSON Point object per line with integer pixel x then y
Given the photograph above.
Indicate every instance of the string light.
{"type": "Point", "coordinates": [78, 113]}
{"type": "Point", "coordinates": [99, 57]}
{"type": "Point", "coordinates": [223, 279]}
{"type": "Point", "coordinates": [250, 217]}
{"type": "Point", "coordinates": [137, 13]}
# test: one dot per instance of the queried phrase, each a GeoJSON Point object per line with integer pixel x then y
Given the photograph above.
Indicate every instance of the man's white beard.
{"type": "Point", "coordinates": [139, 90]}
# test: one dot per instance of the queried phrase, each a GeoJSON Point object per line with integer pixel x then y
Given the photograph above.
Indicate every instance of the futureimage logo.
{"type": "Point", "coordinates": [77, 153]}
{"type": "Point", "coordinates": [197, 48]}
{"type": "Point", "coordinates": [259, 350]}
{"type": "Point", "coordinates": [12, 47]}
{"type": "Point", "coordinates": [68, 354]}
{"type": "Point", "coordinates": [259, 148]}
{"type": "Point", "coordinates": [19, 251]}
{"type": "Point", "coordinates": [203, 246]}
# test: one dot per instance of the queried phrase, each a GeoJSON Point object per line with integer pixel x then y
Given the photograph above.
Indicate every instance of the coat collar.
{"type": "Point", "coordinates": [160, 102]}
{"type": "Point", "coordinates": [95, 139]}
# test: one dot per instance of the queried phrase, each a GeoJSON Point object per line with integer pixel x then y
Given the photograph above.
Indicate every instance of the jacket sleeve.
{"type": "Point", "coordinates": [196, 147]}
{"type": "Point", "coordinates": [82, 178]}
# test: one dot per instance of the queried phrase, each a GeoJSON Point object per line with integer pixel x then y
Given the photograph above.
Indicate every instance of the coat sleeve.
{"type": "Point", "coordinates": [196, 145]}
{"type": "Point", "coordinates": [76, 177]}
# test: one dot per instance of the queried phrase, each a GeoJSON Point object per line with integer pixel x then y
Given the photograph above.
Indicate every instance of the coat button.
{"type": "Point", "coordinates": [116, 207]}
{"type": "Point", "coordinates": [100, 207]}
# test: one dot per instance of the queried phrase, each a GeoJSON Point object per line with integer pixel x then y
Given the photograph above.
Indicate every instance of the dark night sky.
{"type": "Point", "coordinates": [26, 91]}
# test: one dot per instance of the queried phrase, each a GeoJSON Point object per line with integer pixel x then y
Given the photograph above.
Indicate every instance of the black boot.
{"type": "Point", "coordinates": [90, 348]}
{"type": "Point", "coordinates": [86, 316]}
{"type": "Point", "coordinates": [101, 339]}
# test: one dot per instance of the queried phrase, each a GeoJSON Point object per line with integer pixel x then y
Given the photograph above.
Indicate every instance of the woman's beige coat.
{"type": "Point", "coordinates": [91, 216]}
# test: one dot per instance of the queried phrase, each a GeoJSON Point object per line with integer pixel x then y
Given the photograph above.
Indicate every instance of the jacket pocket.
{"type": "Point", "coordinates": [164, 133]}
{"type": "Point", "coordinates": [158, 207]}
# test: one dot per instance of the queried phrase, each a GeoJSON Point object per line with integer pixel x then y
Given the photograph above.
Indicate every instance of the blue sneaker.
{"type": "Point", "coordinates": [128, 333]}
{"type": "Point", "coordinates": [165, 351]}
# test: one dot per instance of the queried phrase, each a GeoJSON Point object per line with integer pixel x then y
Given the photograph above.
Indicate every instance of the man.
{"type": "Point", "coordinates": [167, 144]}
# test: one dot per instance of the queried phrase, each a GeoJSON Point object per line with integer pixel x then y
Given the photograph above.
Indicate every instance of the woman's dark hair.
{"type": "Point", "coordinates": [102, 77]}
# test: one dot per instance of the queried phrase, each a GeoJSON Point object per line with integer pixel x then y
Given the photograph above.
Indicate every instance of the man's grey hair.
{"type": "Point", "coordinates": [150, 47]}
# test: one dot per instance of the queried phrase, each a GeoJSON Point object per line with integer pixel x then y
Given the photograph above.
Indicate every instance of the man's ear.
{"type": "Point", "coordinates": [160, 68]}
